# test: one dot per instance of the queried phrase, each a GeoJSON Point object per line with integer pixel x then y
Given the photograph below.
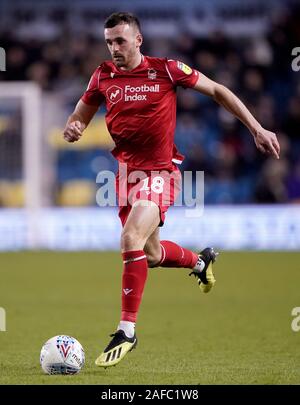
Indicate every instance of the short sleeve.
{"type": "Point", "coordinates": [92, 94]}
{"type": "Point", "coordinates": [181, 74]}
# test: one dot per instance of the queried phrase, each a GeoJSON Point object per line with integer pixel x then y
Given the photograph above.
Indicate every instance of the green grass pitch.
{"type": "Point", "coordinates": [239, 333]}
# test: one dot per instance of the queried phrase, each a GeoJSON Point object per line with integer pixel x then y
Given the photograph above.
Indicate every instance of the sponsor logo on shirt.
{"type": "Point", "coordinates": [131, 93]}
{"type": "Point", "coordinates": [114, 94]}
{"type": "Point", "coordinates": [185, 68]}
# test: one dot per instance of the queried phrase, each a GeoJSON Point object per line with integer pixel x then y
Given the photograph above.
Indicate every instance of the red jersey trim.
{"type": "Point", "coordinates": [170, 76]}
{"type": "Point", "coordinates": [197, 76]}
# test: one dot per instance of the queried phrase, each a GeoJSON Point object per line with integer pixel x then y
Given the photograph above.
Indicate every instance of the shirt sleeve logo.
{"type": "Point", "coordinates": [185, 68]}
{"type": "Point", "coordinates": [114, 94]}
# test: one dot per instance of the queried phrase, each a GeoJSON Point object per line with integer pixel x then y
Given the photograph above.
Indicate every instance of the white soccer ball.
{"type": "Point", "coordinates": [62, 355]}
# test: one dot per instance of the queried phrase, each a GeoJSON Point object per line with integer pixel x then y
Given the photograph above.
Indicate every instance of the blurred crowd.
{"type": "Point", "coordinates": [257, 69]}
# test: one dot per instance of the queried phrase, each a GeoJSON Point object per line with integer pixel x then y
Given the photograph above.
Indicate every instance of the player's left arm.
{"type": "Point", "coordinates": [266, 141]}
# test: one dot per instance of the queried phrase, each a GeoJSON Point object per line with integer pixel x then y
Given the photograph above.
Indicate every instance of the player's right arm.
{"type": "Point", "coordinates": [79, 120]}
{"type": "Point", "coordinates": [85, 109]}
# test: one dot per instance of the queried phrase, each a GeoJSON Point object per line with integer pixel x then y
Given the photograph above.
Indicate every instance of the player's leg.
{"type": "Point", "coordinates": [140, 224]}
{"type": "Point", "coordinates": [152, 249]}
{"type": "Point", "coordinates": [168, 254]}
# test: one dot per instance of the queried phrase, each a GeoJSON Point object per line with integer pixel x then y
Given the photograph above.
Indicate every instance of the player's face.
{"type": "Point", "coordinates": [123, 42]}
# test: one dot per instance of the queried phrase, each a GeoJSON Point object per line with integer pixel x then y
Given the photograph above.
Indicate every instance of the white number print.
{"type": "Point", "coordinates": [296, 321]}
{"type": "Point", "coordinates": [156, 185]}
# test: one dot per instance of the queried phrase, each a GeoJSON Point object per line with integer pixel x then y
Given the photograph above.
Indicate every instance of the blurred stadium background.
{"type": "Point", "coordinates": [241, 333]}
{"type": "Point", "coordinates": [51, 50]}
{"type": "Point", "coordinates": [48, 187]}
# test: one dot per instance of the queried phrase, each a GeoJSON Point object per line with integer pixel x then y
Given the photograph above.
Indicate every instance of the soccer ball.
{"type": "Point", "coordinates": [62, 355]}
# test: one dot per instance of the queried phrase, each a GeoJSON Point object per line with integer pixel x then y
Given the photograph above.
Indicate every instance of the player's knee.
{"type": "Point", "coordinates": [153, 260]}
{"type": "Point", "coordinates": [131, 240]}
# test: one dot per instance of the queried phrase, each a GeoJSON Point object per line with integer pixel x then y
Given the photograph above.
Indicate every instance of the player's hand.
{"type": "Point", "coordinates": [266, 142]}
{"type": "Point", "coordinates": [73, 131]}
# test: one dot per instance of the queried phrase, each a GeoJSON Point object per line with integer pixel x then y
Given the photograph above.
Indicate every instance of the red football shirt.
{"type": "Point", "coordinates": [141, 109]}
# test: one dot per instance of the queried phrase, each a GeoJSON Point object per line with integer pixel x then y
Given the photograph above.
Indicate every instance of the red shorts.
{"type": "Point", "coordinates": [159, 186]}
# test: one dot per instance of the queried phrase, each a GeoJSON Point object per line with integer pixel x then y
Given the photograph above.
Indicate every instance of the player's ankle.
{"type": "Point", "coordinates": [128, 328]}
{"type": "Point", "coordinates": [200, 265]}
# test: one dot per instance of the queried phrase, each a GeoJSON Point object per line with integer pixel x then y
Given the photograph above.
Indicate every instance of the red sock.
{"type": "Point", "coordinates": [134, 278]}
{"type": "Point", "coordinates": [173, 255]}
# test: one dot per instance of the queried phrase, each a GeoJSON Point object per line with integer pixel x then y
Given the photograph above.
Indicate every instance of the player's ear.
{"type": "Point", "coordinates": [138, 39]}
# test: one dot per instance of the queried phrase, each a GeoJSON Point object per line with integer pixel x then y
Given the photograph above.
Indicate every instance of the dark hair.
{"type": "Point", "coordinates": [122, 18]}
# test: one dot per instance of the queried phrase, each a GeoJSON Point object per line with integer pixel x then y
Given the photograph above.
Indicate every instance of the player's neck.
{"type": "Point", "coordinates": [136, 62]}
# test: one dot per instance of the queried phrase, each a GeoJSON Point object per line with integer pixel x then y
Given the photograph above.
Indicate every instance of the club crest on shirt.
{"type": "Point", "coordinates": [185, 68]}
{"type": "Point", "coordinates": [152, 74]}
